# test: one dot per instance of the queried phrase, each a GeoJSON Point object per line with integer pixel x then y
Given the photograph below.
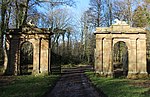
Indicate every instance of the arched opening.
{"type": "Point", "coordinates": [26, 58]}
{"type": "Point", "coordinates": [120, 59]}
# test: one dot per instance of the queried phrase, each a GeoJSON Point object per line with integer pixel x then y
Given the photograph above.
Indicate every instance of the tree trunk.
{"type": "Point", "coordinates": [26, 12]}
{"type": "Point", "coordinates": [110, 12]}
{"type": "Point", "coordinates": [129, 12]}
{"type": "Point", "coordinates": [17, 12]}
{"type": "Point", "coordinates": [3, 26]}
{"type": "Point", "coordinates": [63, 47]}
{"type": "Point", "coordinates": [68, 42]}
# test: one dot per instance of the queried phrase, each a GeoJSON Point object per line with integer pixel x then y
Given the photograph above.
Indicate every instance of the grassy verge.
{"type": "Point", "coordinates": [73, 65]}
{"type": "Point", "coordinates": [119, 87]}
{"type": "Point", "coordinates": [28, 86]}
{"type": "Point", "coordinates": [69, 65]}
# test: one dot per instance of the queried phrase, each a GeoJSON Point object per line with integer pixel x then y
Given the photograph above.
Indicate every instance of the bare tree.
{"type": "Point", "coordinates": [5, 15]}
{"type": "Point", "coordinates": [108, 13]}
{"type": "Point", "coordinates": [96, 7]}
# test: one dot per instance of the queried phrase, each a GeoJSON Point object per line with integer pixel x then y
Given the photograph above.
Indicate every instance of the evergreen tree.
{"type": "Point", "coordinates": [139, 18]}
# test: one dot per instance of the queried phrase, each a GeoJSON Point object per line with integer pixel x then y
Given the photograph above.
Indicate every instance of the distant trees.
{"type": "Point", "coordinates": [96, 7]}
{"type": "Point", "coordinates": [88, 23]}
{"type": "Point", "coordinates": [75, 46]}
{"type": "Point", "coordinates": [103, 12]}
{"type": "Point", "coordinates": [108, 14]}
{"type": "Point", "coordinates": [3, 22]}
{"type": "Point", "coordinates": [134, 12]}
{"type": "Point", "coordinates": [15, 13]}
{"type": "Point", "coordinates": [122, 10]}
{"type": "Point", "coordinates": [74, 41]}
{"type": "Point", "coordinates": [139, 17]}
{"type": "Point", "coordinates": [59, 20]}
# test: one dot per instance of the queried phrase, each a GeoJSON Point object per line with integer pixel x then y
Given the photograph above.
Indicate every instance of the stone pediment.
{"type": "Point", "coordinates": [31, 30]}
{"type": "Point", "coordinates": [28, 30]}
{"type": "Point", "coordinates": [119, 27]}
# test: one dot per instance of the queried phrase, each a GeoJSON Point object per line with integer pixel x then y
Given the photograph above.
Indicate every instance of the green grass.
{"type": "Point", "coordinates": [118, 87]}
{"type": "Point", "coordinates": [28, 86]}
{"type": "Point", "coordinates": [68, 66]}
{"type": "Point", "coordinates": [73, 65]}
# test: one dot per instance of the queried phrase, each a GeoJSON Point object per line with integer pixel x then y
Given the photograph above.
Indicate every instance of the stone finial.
{"type": "Point", "coordinates": [118, 22]}
{"type": "Point", "coordinates": [30, 23]}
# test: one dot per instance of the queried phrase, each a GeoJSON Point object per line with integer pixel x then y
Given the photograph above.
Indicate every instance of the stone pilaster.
{"type": "Point", "coordinates": [141, 58]}
{"type": "Point", "coordinates": [99, 55]}
{"type": "Point", "coordinates": [132, 57]}
{"type": "Point", "coordinates": [44, 56]}
{"type": "Point", "coordinates": [36, 56]}
{"type": "Point", "coordinates": [107, 56]}
{"type": "Point", "coordinates": [132, 67]}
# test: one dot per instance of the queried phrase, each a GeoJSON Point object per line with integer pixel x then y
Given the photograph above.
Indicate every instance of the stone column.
{"type": "Point", "coordinates": [107, 57]}
{"type": "Point", "coordinates": [141, 58]}
{"type": "Point", "coordinates": [36, 56]}
{"type": "Point", "coordinates": [132, 67]}
{"type": "Point", "coordinates": [44, 56]}
{"type": "Point", "coordinates": [99, 55]}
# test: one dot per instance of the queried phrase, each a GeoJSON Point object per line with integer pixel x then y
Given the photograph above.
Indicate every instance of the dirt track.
{"type": "Point", "coordinates": [73, 83]}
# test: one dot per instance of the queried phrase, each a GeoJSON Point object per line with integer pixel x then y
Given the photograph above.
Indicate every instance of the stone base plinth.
{"type": "Point", "coordinates": [137, 75]}
{"type": "Point", "coordinates": [104, 74]}
{"type": "Point", "coordinates": [44, 73]}
{"type": "Point", "coordinates": [35, 72]}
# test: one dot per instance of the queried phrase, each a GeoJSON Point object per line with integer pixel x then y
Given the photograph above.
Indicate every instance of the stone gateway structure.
{"type": "Point", "coordinates": [133, 38]}
{"type": "Point", "coordinates": [20, 59]}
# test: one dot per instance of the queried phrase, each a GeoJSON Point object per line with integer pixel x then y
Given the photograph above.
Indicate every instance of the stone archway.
{"type": "Point", "coordinates": [26, 58]}
{"type": "Point", "coordinates": [120, 59]}
{"type": "Point", "coordinates": [135, 39]}
{"type": "Point", "coordinates": [41, 44]}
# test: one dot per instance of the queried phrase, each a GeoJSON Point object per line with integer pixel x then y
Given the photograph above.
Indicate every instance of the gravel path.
{"type": "Point", "coordinates": [73, 83]}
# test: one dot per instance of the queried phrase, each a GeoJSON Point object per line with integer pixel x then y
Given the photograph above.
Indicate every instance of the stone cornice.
{"type": "Point", "coordinates": [120, 28]}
